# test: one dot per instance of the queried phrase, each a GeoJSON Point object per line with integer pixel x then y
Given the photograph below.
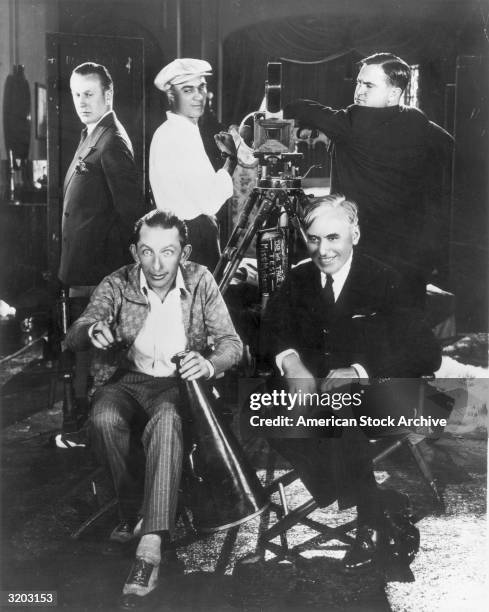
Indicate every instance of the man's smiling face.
{"type": "Point", "coordinates": [330, 240]}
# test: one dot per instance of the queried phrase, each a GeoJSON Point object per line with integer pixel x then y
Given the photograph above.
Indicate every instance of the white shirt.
{"type": "Point", "coordinates": [163, 332]}
{"type": "Point", "coordinates": [339, 279]}
{"type": "Point", "coordinates": [181, 176]}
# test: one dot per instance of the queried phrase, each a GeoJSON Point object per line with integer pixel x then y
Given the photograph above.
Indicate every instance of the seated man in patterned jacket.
{"type": "Point", "coordinates": [142, 315]}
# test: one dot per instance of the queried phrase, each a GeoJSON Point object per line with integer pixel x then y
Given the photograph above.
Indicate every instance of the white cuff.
{"type": "Point", "coordinates": [361, 373]}
{"type": "Point", "coordinates": [90, 330]}
{"type": "Point", "coordinates": [281, 356]}
{"type": "Point", "coordinates": [212, 369]}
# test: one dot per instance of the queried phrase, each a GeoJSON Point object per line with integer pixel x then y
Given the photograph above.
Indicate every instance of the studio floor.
{"type": "Point", "coordinates": [46, 495]}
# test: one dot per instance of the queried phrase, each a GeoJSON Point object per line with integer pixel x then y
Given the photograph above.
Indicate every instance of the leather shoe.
{"type": "Point", "coordinates": [365, 550]}
{"type": "Point", "coordinates": [124, 531]}
{"type": "Point", "coordinates": [146, 575]}
{"type": "Point", "coordinates": [141, 583]}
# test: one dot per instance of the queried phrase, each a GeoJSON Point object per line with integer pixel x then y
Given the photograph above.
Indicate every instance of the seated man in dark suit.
{"type": "Point", "coordinates": [340, 320]}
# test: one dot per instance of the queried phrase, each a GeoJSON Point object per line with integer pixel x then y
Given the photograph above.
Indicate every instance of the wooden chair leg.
{"type": "Point", "coordinates": [53, 386]}
{"type": "Point", "coordinates": [387, 451]}
{"type": "Point", "coordinates": [418, 457]}
{"type": "Point", "coordinates": [285, 510]}
{"type": "Point", "coordinates": [425, 469]}
{"type": "Point", "coordinates": [93, 518]}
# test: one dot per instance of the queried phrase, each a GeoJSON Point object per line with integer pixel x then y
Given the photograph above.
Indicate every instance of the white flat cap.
{"type": "Point", "coordinates": [180, 71]}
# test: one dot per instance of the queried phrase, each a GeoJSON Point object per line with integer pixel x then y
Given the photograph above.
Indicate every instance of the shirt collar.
{"type": "Point", "coordinates": [181, 120]}
{"type": "Point", "coordinates": [339, 277]}
{"type": "Point", "coordinates": [92, 126]}
{"type": "Point", "coordinates": [144, 287]}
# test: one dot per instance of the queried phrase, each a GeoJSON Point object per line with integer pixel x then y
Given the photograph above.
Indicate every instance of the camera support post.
{"type": "Point", "coordinates": [270, 202]}
{"type": "Point", "coordinates": [278, 197]}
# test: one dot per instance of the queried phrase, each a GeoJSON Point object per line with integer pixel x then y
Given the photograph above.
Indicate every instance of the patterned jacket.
{"type": "Point", "coordinates": [118, 299]}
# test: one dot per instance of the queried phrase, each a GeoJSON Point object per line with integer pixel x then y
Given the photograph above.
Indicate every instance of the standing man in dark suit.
{"type": "Point", "coordinates": [340, 320]}
{"type": "Point", "coordinates": [102, 198]}
{"type": "Point", "coordinates": [384, 156]}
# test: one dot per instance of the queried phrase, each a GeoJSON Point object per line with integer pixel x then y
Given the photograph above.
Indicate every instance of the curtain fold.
{"type": "Point", "coordinates": [319, 55]}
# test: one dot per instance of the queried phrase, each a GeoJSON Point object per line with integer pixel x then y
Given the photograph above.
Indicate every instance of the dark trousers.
{"type": "Point", "coordinates": [133, 403]}
{"type": "Point", "coordinates": [204, 238]}
{"type": "Point", "coordinates": [75, 413]}
{"type": "Point", "coordinates": [337, 469]}
{"type": "Point", "coordinates": [82, 358]}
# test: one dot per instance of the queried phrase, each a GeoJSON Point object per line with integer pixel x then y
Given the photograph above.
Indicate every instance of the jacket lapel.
{"type": "Point", "coordinates": [88, 146]}
{"type": "Point", "coordinates": [308, 291]}
{"type": "Point", "coordinates": [74, 161]}
{"type": "Point", "coordinates": [356, 286]}
{"type": "Point", "coordinates": [132, 290]}
{"type": "Point", "coordinates": [186, 302]}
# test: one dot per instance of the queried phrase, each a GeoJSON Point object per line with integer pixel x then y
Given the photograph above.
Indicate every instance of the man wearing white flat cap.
{"type": "Point", "coordinates": [181, 175]}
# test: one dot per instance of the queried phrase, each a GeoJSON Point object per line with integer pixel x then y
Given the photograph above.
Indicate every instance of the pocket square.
{"type": "Point", "coordinates": [363, 315]}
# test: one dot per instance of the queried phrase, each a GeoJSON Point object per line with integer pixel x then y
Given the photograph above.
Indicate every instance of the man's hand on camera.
{"type": "Point", "coordinates": [193, 366]}
{"type": "Point", "coordinates": [101, 335]}
{"type": "Point", "coordinates": [304, 133]}
{"type": "Point", "coordinates": [225, 144]}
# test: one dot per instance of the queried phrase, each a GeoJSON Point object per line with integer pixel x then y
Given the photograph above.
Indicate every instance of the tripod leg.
{"type": "Point", "coordinates": [233, 240]}
{"type": "Point", "coordinates": [265, 208]}
{"type": "Point", "coordinates": [294, 210]}
{"type": "Point", "coordinates": [94, 518]}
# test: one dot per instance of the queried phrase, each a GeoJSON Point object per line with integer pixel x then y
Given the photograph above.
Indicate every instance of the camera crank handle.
{"type": "Point", "coordinates": [311, 168]}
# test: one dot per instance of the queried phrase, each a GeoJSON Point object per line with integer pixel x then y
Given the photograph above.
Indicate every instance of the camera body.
{"type": "Point", "coordinates": [273, 137]}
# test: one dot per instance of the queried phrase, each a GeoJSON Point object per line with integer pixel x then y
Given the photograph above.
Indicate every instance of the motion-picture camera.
{"type": "Point", "coordinates": [273, 136]}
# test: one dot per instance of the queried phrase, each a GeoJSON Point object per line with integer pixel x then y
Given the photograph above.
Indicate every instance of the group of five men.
{"type": "Point", "coordinates": [336, 320]}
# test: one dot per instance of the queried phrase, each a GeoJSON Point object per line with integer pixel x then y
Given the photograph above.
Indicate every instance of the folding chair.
{"type": "Point", "coordinates": [288, 518]}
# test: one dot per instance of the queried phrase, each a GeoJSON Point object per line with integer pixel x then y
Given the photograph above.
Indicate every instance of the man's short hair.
{"type": "Point", "coordinates": [101, 71]}
{"type": "Point", "coordinates": [170, 97]}
{"type": "Point", "coordinates": [396, 70]}
{"type": "Point", "coordinates": [333, 201]}
{"type": "Point", "coordinates": [161, 218]}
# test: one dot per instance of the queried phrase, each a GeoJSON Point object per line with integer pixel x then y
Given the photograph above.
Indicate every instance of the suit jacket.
{"type": "Point", "coordinates": [102, 201]}
{"type": "Point", "coordinates": [387, 160]}
{"type": "Point", "coordinates": [369, 324]}
{"type": "Point", "coordinates": [119, 298]}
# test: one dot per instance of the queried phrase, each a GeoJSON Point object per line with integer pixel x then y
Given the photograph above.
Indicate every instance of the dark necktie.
{"type": "Point", "coordinates": [328, 294]}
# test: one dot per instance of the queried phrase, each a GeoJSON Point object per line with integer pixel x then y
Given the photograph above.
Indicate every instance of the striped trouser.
{"type": "Point", "coordinates": [132, 403]}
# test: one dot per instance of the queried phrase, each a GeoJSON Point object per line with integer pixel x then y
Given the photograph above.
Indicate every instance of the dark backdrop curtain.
{"type": "Point", "coordinates": [319, 55]}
